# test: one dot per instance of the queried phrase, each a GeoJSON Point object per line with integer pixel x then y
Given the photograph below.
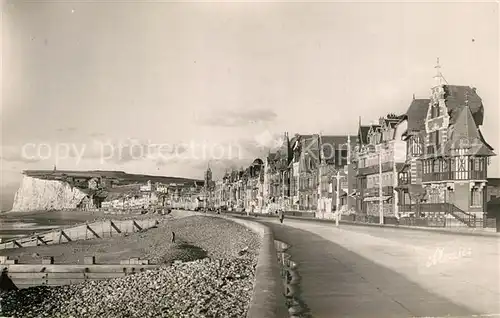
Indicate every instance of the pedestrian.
{"type": "Point", "coordinates": [281, 215]}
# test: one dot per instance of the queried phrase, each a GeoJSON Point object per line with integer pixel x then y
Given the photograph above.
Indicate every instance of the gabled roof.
{"type": "Point", "coordinates": [330, 143]}
{"type": "Point", "coordinates": [283, 153]}
{"type": "Point", "coordinates": [309, 153]}
{"type": "Point", "coordinates": [455, 98]}
{"type": "Point", "coordinates": [465, 133]}
{"type": "Point", "coordinates": [417, 113]}
{"type": "Point", "coordinates": [363, 134]}
{"type": "Point", "coordinates": [271, 156]}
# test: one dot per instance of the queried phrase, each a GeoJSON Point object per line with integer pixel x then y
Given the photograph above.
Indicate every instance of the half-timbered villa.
{"type": "Point", "coordinates": [448, 156]}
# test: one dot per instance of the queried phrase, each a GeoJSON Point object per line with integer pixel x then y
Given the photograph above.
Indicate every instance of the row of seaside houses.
{"type": "Point", "coordinates": [430, 161]}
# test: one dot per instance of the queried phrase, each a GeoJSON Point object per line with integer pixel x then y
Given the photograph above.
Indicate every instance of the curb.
{"type": "Point", "coordinates": [268, 299]}
{"type": "Point", "coordinates": [390, 226]}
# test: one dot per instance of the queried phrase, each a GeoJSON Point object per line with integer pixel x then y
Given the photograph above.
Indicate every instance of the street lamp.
{"type": "Point", "coordinates": [380, 204]}
{"type": "Point", "coordinates": [337, 199]}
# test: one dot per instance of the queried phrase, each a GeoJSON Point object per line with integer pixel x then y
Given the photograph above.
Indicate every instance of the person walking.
{"type": "Point", "coordinates": [281, 215]}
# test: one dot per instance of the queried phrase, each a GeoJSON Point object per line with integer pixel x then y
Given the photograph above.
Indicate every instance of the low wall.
{"type": "Point", "coordinates": [268, 300]}
{"type": "Point", "coordinates": [86, 231]}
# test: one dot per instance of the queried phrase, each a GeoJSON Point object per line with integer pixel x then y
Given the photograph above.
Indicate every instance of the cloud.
{"type": "Point", "coordinates": [124, 151]}
{"type": "Point", "coordinates": [96, 134]}
{"type": "Point", "coordinates": [16, 154]}
{"type": "Point", "coordinates": [229, 155]}
{"type": "Point", "coordinates": [269, 140]}
{"type": "Point", "coordinates": [231, 118]}
{"type": "Point", "coordinates": [66, 129]}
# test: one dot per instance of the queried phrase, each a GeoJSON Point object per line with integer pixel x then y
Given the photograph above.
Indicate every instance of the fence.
{"type": "Point", "coordinates": [86, 231]}
{"type": "Point", "coordinates": [440, 221]}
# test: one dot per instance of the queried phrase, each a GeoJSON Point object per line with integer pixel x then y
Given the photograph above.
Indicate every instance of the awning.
{"type": "Point", "coordinates": [370, 199]}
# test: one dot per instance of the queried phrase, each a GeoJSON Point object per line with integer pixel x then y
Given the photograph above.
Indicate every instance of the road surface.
{"type": "Point", "coordinates": [359, 271]}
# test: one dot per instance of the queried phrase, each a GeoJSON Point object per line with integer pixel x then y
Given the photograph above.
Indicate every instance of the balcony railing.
{"type": "Point", "coordinates": [386, 166]}
{"type": "Point", "coordinates": [454, 175]}
{"type": "Point", "coordinates": [386, 190]}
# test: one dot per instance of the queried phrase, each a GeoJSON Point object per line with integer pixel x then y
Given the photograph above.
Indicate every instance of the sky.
{"type": "Point", "coordinates": [172, 85]}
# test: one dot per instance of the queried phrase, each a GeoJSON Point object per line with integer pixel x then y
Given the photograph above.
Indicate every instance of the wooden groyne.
{"type": "Point", "coordinates": [50, 274]}
{"type": "Point", "coordinates": [99, 229]}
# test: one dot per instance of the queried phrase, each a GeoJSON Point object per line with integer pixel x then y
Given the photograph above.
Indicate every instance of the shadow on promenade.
{"type": "Point", "coordinates": [336, 282]}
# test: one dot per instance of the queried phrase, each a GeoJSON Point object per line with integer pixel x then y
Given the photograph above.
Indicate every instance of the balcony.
{"type": "Point", "coordinates": [454, 175]}
{"type": "Point", "coordinates": [371, 192]}
{"type": "Point", "coordinates": [386, 166]}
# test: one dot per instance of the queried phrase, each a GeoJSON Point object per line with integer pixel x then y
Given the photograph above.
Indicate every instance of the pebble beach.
{"type": "Point", "coordinates": [207, 272]}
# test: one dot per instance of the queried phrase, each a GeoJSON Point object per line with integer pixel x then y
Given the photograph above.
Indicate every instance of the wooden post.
{"type": "Point", "coordinates": [65, 236]}
{"type": "Point", "coordinates": [92, 231]}
{"type": "Point", "coordinates": [113, 225]}
{"type": "Point", "coordinates": [41, 240]}
{"type": "Point", "coordinates": [136, 225]}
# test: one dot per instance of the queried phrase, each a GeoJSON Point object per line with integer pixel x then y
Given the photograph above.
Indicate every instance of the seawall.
{"type": "Point", "coordinates": [268, 300]}
{"type": "Point", "coordinates": [39, 194]}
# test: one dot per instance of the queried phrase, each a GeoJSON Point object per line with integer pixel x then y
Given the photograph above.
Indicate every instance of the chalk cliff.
{"type": "Point", "coordinates": [40, 194]}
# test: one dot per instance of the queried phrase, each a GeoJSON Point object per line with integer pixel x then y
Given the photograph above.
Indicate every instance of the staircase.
{"type": "Point", "coordinates": [464, 217]}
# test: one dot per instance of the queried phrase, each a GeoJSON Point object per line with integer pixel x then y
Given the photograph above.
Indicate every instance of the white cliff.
{"type": "Point", "coordinates": [39, 194]}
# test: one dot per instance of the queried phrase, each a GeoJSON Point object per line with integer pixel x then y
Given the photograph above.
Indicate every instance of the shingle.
{"type": "Point", "coordinates": [456, 95]}
{"type": "Point", "coordinates": [330, 143]}
{"type": "Point", "coordinates": [363, 134]}
{"type": "Point", "coordinates": [466, 130]}
{"type": "Point", "coordinates": [417, 113]}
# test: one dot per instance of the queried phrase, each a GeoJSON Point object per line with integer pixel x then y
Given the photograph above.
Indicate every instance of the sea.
{"type": "Point", "coordinates": [18, 224]}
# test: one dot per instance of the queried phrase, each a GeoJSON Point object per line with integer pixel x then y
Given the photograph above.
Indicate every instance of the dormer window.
{"type": "Point", "coordinates": [435, 110]}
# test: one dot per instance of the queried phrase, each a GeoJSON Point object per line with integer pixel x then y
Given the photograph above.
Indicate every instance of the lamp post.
{"type": "Point", "coordinates": [337, 199]}
{"type": "Point", "coordinates": [380, 204]}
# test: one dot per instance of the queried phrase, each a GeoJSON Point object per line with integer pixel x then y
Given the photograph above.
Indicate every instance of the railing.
{"type": "Point", "coordinates": [467, 218]}
{"type": "Point", "coordinates": [386, 166]}
{"type": "Point", "coordinates": [404, 181]}
{"type": "Point", "coordinates": [454, 175]}
{"type": "Point", "coordinates": [438, 221]}
{"type": "Point", "coordinates": [386, 190]}
{"type": "Point", "coordinates": [464, 217]}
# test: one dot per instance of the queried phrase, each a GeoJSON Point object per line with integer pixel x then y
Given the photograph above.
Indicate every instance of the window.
{"type": "Point", "coordinates": [435, 111]}
{"type": "Point", "coordinates": [436, 166]}
{"type": "Point", "coordinates": [476, 197]}
{"type": "Point", "coordinates": [444, 166]}
{"type": "Point", "coordinates": [477, 164]}
{"type": "Point", "coordinates": [461, 168]}
{"type": "Point", "coordinates": [415, 146]}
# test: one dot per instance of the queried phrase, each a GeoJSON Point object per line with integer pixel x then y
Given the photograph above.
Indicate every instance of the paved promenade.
{"type": "Point", "coordinates": [355, 271]}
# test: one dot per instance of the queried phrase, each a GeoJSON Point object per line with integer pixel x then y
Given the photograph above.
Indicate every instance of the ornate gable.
{"type": "Point", "coordinates": [464, 135]}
